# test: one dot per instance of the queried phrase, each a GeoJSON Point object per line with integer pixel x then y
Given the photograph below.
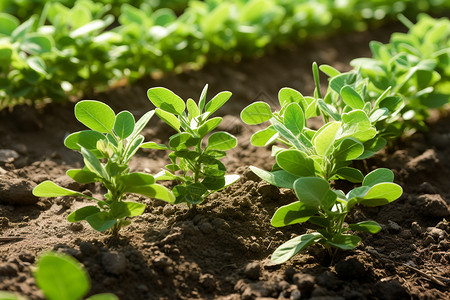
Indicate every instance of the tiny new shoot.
{"type": "Point", "coordinates": [194, 153]}
{"type": "Point", "coordinates": [107, 149]}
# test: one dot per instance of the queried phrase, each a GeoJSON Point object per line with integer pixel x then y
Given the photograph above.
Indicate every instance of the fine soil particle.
{"type": "Point", "coordinates": [222, 249]}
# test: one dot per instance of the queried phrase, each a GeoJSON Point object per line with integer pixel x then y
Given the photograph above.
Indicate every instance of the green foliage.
{"type": "Point", "coordinates": [327, 209]}
{"type": "Point", "coordinates": [195, 163]}
{"type": "Point", "coordinates": [107, 149]}
{"type": "Point", "coordinates": [416, 67]}
{"type": "Point", "coordinates": [69, 47]}
{"type": "Point", "coordinates": [61, 277]}
{"type": "Point", "coordinates": [313, 158]}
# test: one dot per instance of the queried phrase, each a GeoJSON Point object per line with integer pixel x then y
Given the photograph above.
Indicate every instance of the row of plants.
{"type": "Point", "coordinates": [360, 115]}
{"type": "Point", "coordinates": [71, 50]}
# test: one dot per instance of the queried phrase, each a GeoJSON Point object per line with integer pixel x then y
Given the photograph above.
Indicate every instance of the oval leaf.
{"type": "Point", "coordinates": [166, 100]}
{"type": "Point", "coordinates": [95, 115]}
{"type": "Point", "coordinates": [169, 119]}
{"type": "Point", "coordinates": [296, 163]}
{"type": "Point", "coordinates": [366, 226]}
{"type": "Point", "coordinates": [256, 113]}
{"type": "Point", "coordinates": [50, 189]}
{"type": "Point", "coordinates": [325, 137]}
{"type": "Point", "coordinates": [279, 178]}
{"type": "Point", "coordinates": [124, 124]}
{"type": "Point", "coordinates": [312, 191]}
{"type": "Point", "coordinates": [378, 176]}
{"type": "Point", "coordinates": [221, 141]}
{"type": "Point", "coordinates": [82, 213]}
{"type": "Point", "coordinates": [61, 277]}
{"type": "Point", "coordinates": [86, 138]}
{"type": "Point", "coordinates": [381, 193]}
{"type": "Point", "coordinates": [293, 213]}
{"type": "Point", "coordinates": [293, 246]}
{"type": "Point", "coordinates": [217, 102]}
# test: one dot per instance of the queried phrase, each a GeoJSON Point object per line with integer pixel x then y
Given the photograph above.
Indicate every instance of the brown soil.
{"type": "Point", "coordinates": [222, 249]}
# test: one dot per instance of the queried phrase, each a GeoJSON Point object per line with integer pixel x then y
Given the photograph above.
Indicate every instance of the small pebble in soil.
{"type": "Point", "coordinates": [252, 270]}
{"type": "Point", "coordinates": [436, 233]}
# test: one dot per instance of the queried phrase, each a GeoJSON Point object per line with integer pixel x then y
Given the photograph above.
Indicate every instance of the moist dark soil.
{"type": "Point", "coordinates": [222, 250]}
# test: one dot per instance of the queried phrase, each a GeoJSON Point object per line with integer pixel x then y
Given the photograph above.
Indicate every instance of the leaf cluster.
{"type": "Point", "coordinates": [61, 277]}
{"type": "Point", "coordinates": [312, 158]}
{"type": "Point", "coordinates": [70, 47]}
{"type": "Point", "coordinates": [416, 66]}
{"type": "Point", "coordinates": [195, 163]}
{"type": "Point", "coordinates": [107, 148]}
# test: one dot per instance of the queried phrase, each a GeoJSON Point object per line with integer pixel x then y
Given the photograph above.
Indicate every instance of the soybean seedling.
{"type": "Point", "coordinates": [327, 209]}
{"type": "Point", "coordinates": [107, 149]}
{"type": "Point", "coordinates": [195, 164]}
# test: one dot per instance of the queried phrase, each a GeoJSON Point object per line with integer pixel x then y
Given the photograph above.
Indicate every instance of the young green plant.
{"type": "Point", "coordinates": [316, 157]}
{"type": "Point", "coordinates": [195, 163]}
{"type": "Point", "coordinates": [107, 149]}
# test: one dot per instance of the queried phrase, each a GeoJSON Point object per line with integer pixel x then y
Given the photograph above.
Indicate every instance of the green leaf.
{"type": "Point", "coordinates": [352, 98]}
{"type": "Point", "coordinates": [127, 209]}
{"type": "Point", "coordinates": [378, 176]}
{"type": "Point", "coordinates": [214, 183]}
{"type": "Point", "coordinates": [124, 124]}
{"type": "Point", "coordinates": [82, 213]}
{"type": "Point", "coordinates": [341, 80]}
{"type": "Point", "coordinates": [324, 138]}
{"type": "Point", "coordinates": [329, 70]}
{"type": "Point", "coordinates": [348, 149]}
{"type": "Point", "coordinates": [192, 108]}
{"type": "Point", "coordinates": [392, 103]}
{"type": "Point", "coordinates": [8, 23]}
{"type": "Point", "coordinates": [91, 27]}
{"type": "Point", "coordinates": [182, 140]}
{"type": "Point", "coordinates": [153, 145]}
{"type": "Point", "coordinates": [217, 102]}
{"type": "Point", "coordinates": [221, 141]}
{"type": "Point", "coordinates": [50, 189]}
{"type": "Point", "coordinates": [104, 296]}
{"type": "Point", "coordinates": [133, 147]}
{"type": "Point", "coordinates": [293, 213]}
{"type": "Point", "coordinates": [288, 95]}
{"type": "Point", "coordinates": [256, 113]}
{"type": "Point", "coordinates": [295, 162]}
{"type": "Point", "coordinates": [209, 126]}
{"type": "Point", "coordinates": [95, 115]}
{"type": "Point", "coordinates": [101, 221]}
{"type": "Point", "coordinates": [293, 246]}
{"type": "Point", "coordinates": [86, 138]}
{"type": "Point", "coordinates": [61, 277]}
{"type": "Point", "coordinates": [366, 226]}
{"type": "Point", "coordinates": [82, 176]}
{"type": "Point", "coordinates": [93, 163]}
{"type": "Point", "coordinates": [350, 174]}
{"type": "Point", "coordinates": [136, 178]}
{"type": "Point", "coordinates": [278, 178]}
{"type": "Point", "coordinates": [169, 118]}
{"type": "Point", "coordinates": [264, 137]}
{"type": "Point", "coordinates": [294, 118]}
{"type": "Point", "coordinates": [230, 179]}
{"type": "Point", "coordinates": [202, 100]}
{"type": "Point", "coordinates": [37, 64]}
{"type": "Point", "coordinates": [344, 241]}
{"type": "Point", "coordinates": [153, 191]}
{"type": "Point", "coordinates": [312, 191]}
{"type": "Point", "coordinates": [141, 123]}
{"type": "Point", "coordinates": [191, 193]}
{"type": "Point", "coordinates": [381, 193]}
{"type": "Point", "coordinates": [166, 100]}
{"type": "Point", "coordinates": [329, 110]}
{"type": "Point", "coordinates": [37, 44]}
